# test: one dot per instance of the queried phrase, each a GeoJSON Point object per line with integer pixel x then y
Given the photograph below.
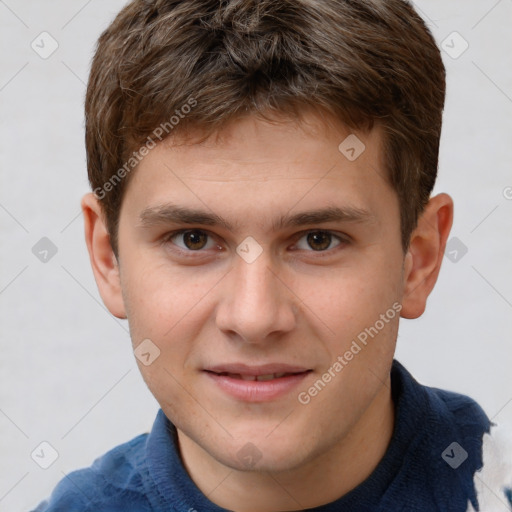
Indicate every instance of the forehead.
{"type": "Point", "coordinates": [252, 163]}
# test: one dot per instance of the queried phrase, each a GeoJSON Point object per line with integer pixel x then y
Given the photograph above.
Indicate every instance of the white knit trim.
{"type": "Point", "coordinates": [496, 473]}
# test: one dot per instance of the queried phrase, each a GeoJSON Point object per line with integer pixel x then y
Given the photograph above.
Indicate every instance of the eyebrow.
{"type": "Point", "coordinates": [174, 214]}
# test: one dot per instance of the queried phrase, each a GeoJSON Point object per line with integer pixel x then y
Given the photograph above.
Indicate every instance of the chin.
{"type": "Point", "coordinates": [263, 454]}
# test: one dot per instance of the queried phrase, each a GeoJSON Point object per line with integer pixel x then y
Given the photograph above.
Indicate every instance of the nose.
{"type": "Point", "coordinates": [257, 306]}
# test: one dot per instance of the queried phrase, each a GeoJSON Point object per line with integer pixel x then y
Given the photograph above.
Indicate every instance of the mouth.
{"type": "Point", "coordinates": [257, 384]}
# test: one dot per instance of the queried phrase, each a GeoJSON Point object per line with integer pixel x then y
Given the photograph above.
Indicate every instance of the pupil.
{"type": "Point", "coordinates": [194, 239]}
{"type": "Point", "coordinates": [319, 241]}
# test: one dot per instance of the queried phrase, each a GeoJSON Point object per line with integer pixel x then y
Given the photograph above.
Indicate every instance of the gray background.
{"type": "Point", "coordinates": [68, 376]}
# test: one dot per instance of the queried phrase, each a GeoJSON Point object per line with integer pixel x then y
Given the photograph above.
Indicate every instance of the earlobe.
{"type": "Point", "coordinates": [103, 261]}
{"type": "Point", "coordinates": [425, 255]}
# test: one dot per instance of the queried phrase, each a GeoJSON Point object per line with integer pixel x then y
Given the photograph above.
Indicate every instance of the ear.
{"type": "Point", "coordinates": [425, 254]}
{"type": "Point", "coordinates": [103, 261]}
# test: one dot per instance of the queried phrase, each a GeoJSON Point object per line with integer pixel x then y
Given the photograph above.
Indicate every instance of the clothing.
{"type": "Point", "coordinates": [421, 471]}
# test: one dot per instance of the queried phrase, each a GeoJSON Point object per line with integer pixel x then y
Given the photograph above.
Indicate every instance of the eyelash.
{"type": "Point", "coordinates": [342, 240]}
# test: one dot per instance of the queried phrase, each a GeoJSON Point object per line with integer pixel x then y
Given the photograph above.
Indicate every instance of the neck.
{"type": "Point", "coordinates": [317, 482]}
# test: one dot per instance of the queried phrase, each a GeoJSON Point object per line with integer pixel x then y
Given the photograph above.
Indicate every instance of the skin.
{"type": "Point", "coordinates": [291, 305]}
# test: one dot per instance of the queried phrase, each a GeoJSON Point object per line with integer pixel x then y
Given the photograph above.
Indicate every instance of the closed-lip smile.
{"type": "Point", "coordinates": [256, 383]}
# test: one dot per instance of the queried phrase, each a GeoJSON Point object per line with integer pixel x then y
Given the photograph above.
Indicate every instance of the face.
{"type": "Point", "coordinates": [267, 268]}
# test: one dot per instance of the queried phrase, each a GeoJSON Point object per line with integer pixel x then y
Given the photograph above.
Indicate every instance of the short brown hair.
{"type": "Point", "coordinates": [365, 61]}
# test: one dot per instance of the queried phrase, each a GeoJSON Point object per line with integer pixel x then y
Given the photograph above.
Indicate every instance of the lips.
{"type": "Point", "coordinates": [257, 383]}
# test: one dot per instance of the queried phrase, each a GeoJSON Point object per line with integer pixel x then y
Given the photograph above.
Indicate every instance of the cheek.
{"type": "Point", "coordinates": [161, 301]}
{"type": "Point", "coordinates": [351, 298]}
{"type": "Point", "coordinates": [163, 307]}
{"type": "Point", "coordinates": [170, 308]}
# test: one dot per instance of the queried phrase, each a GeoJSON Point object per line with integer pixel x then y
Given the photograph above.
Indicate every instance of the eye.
{"type": "Point", "coordinates": [318, 241]}
{"type": "Point", "coordinates": [192, 240]}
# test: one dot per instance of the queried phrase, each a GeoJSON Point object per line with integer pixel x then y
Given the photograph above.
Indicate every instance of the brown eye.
{"type": "Point", "coordinates": [319, 240]}
{"type": "Point", "coordinates": [192, 240]}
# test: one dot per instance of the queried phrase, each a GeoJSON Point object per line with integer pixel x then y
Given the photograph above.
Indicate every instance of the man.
{"type": "Point", "coordinates": [262, 216]}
